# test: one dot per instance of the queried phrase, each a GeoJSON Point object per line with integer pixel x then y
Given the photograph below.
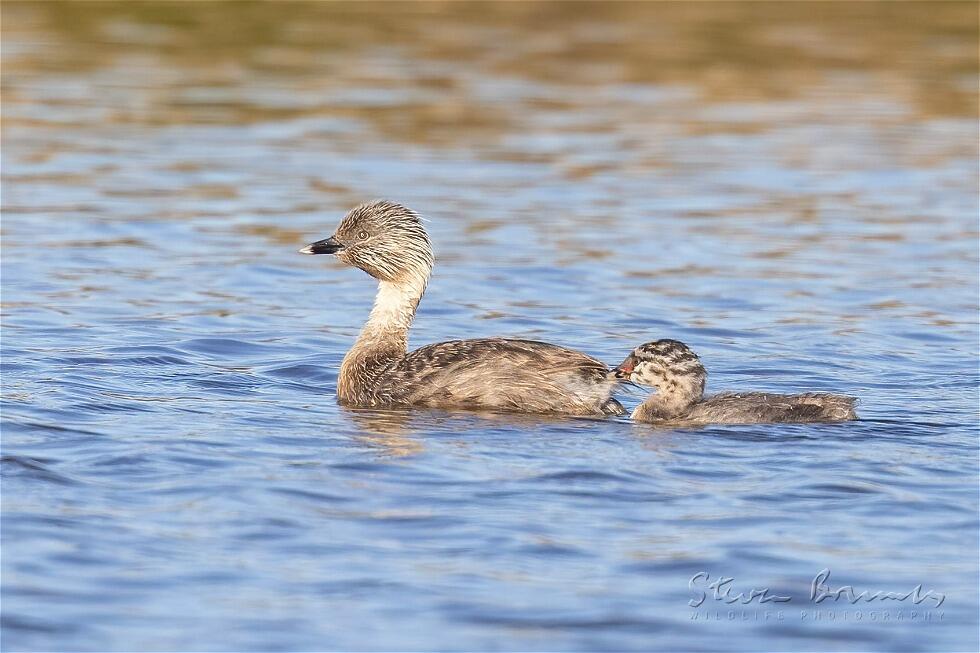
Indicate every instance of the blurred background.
{"type": "Point", "coordinates": [790, 188]}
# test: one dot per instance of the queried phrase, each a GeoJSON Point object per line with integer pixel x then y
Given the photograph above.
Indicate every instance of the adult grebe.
{"type": "Point", "coordinates": [677, 374]}
{"type": "Point", "coordinates": [387, 241]}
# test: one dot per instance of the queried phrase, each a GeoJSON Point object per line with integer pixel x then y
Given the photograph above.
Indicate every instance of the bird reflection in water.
{"type": "Point", "coordinates": [387, 430]}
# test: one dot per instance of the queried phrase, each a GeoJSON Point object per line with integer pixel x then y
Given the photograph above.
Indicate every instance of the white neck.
{"type": "Point", "coordinates": [393, 313]}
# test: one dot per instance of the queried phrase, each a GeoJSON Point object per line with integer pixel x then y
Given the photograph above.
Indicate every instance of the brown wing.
{"type": "Point", "coordinates": [502, 373]}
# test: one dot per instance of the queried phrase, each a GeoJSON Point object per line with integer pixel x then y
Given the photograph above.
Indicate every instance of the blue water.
{"type": "Point", "coordinates": [177, 475]}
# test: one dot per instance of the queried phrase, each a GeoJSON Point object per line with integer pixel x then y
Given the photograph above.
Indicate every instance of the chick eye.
{"type": "Point", "coordinates": [361, 235]}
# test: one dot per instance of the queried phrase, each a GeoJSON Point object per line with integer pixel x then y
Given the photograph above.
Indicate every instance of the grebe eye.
{"type": "Point", "coordinates": [361, 235]}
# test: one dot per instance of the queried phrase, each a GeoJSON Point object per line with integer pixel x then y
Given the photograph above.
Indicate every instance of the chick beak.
{"type": "Point", "coordinates": [326, 246]}
{"type": "Point", "coordinates": [624, 370]}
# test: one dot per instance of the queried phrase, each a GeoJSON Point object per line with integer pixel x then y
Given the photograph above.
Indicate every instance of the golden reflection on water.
{"type": "Point", "coordinates": [387, 430]}
{"type": "Point", "coordinates": [399, 433]}
{"type": "Point", "coordinates": [347, 59]}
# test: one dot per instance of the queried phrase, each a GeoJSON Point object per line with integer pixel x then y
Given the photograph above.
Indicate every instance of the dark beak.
{"type": "Point", "coordinates": [621, 373]}
{"type": "Point", "coordinates": [326, 246]}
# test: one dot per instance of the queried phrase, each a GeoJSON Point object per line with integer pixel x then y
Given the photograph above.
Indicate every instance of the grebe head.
{"type": "Point", "coordinates": [668, 365]}
{"type": "Point", "coordinates": [384, 239]}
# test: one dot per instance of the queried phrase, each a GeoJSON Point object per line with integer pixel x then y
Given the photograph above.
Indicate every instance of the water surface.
{"type": "Point", "coordinates": [790, 189]}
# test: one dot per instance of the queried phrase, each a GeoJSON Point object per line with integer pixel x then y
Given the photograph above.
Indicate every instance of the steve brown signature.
{"type": "Point", "coordinates": [721, 589]}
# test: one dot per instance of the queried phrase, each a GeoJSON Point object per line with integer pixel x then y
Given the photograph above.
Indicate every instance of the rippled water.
{"type": "Point", "coordinates": [790, 189]}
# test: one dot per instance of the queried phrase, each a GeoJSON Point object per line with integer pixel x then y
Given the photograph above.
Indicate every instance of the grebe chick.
{"type": "Point", "coordinates": [678, 375]}
{"type": "Point", "coordinates": [387, 241]}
